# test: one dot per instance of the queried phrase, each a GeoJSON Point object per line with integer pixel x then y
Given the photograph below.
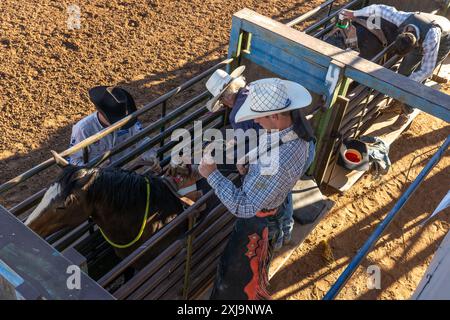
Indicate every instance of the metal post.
{"type": "Point", "coordinates": [163, 114]}
{"type": "Point", "coordinates": [324, 153]}
{"type": "Point", "coordinates": [324, 126]}
{"type": "Point", "coordinates": [351, 268]}
{"type": "Point", "coordinates": [187, 271]}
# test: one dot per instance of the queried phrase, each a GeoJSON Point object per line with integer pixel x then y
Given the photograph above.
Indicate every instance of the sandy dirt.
{"type": "Point", "coordinates": [405, 249]}
{"type": "Point", "coordinates": [150, 47]}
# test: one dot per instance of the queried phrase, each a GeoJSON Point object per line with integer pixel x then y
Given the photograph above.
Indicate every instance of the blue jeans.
{"type": "Point", "coordinates": [280, 226]}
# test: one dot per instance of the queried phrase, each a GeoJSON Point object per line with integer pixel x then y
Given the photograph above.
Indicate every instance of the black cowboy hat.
{"type": "Point", "coordinates": [114, 103]}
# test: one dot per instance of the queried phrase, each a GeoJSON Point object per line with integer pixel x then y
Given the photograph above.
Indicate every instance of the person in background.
{"type": "Point", "coordinates": [112, 104]}
{"type": "Point", "coordinates": [424, 41]}
{"type": "Point", "coordinates": [231, 91]}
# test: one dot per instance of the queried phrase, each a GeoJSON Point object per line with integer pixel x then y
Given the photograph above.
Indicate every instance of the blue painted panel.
{"type": "Point", "coordinates": [417, 100]}
{"type": "Point", "coordinates": [287, 66]}
{"type": "Point", "coordinates": [287, 45]}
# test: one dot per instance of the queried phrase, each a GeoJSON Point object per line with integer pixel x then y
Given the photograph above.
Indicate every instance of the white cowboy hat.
{"type": "Point", "coordinates": [218, 83]}
{"type": "Point", "coordinates": [271, 96]}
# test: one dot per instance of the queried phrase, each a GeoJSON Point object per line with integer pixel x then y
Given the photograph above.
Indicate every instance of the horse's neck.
{"type": "Point", "coordinates": [166, 201]}
{"type": "Point", "coordinates": [123, 227]}
{"type": "Point", "coordinates": [390, 30]}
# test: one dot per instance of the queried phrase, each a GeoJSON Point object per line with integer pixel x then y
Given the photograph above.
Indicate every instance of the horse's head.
{"type": "Point", "coordinates": [64, 203]}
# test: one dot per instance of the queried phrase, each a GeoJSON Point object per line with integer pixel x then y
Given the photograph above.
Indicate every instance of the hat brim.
{"type": "Point", "coordinates": [96, 95]}
{"type": "Point", "coordinates": [299, 96]}
{"type": "Point", "coordinates": [213, 104]}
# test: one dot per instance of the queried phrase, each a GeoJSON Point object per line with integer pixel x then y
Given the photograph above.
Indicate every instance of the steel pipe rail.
{"type": "Point", "coordinates": [63, 242]}
{"type": "Point", "coordinates": [158, 124]}
{"type": "Point", "coordinates": [368, 245]}
{"type": "Point", "coordinates": [327, 19]}
{"type": "Point", "coordinates": [310, 13]}
{"type": "Point", "coordinates": [34, 199]}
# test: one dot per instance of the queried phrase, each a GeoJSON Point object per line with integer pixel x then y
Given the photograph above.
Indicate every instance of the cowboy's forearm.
{"type": "Point", "coordinates": [381, 11]}
{"type": "Point", "coordinates": [425, 71]}
{"type": "Point", "coordinates": [236, 201]}
{"type": "Point", "coordinates": [430, 52]}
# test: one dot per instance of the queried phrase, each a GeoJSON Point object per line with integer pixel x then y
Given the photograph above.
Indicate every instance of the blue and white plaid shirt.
{"type": "Point", "coordinates": [430, 43]}
{"type": "Point", "coordinates": [260, 191]}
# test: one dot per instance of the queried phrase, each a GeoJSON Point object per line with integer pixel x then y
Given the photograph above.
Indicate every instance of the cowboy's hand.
{"type": "Point", "coordinates": [175, 170]}
{"type": "Point", "coordinates": [242, 169]}
{"type": "Point", "coordinates": [206, 167]}
{"type": "Point", "coordinates": [150, 159]}
{"type": "Point", "coordinates": [347, 14]}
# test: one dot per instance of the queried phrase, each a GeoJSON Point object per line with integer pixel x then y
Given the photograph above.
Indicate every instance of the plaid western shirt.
{"type": "Point", "coordinates": [261, 191]}
{"type": "Point", "coordinates": [430, 44]}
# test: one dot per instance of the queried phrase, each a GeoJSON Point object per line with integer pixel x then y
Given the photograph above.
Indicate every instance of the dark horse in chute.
{"type": "Point", "coordinates": [117, 202]}
{"type": "Point", "coordinates": [367, 40]}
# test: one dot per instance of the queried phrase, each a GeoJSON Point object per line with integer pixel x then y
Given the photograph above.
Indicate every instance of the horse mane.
{"type": "Point", "coordinates": [123, 192]}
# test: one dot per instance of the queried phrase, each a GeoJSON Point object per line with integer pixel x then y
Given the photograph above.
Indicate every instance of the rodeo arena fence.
{"type": "Point", "coordinates": [344, 107]}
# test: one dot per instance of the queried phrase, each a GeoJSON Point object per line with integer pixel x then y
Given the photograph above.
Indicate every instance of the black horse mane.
{"type": "Point", "coordinates": [122, 191]}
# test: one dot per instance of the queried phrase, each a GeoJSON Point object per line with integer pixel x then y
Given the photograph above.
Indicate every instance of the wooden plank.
{"type": "Point", "coordinates": [288, 64]}
{"type": "Point", "coordinates": [39, 265]}
{"type": "Point", "coordinates": [363, 71]}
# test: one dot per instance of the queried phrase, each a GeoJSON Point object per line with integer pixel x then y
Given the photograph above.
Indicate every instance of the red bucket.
{"type": "Point", "coordinates": [352, 155]}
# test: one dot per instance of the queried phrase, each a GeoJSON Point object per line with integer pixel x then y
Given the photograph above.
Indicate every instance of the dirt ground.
{"type": "Point", "coordinates": [150, 47]}
{"type": "Point", "coordinates": [405, 249]}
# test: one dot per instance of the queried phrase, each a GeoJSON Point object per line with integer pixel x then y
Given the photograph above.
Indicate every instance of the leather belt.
{"type": "Point", "coordinates": [266, 213]}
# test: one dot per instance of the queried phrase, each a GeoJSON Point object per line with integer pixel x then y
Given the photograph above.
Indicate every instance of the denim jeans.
{"type": "Point", "coordinates": [280, 226]}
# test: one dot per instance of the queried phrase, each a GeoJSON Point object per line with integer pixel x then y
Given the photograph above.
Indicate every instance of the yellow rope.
{"type": "Point", "coordinates": [123, 246]}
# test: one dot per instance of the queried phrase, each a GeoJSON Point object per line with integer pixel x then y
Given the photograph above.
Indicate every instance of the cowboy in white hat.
{"type": "Point", "coordinates": [272, 103]}
{"type": "Point", "coordinates": [232, 91]}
